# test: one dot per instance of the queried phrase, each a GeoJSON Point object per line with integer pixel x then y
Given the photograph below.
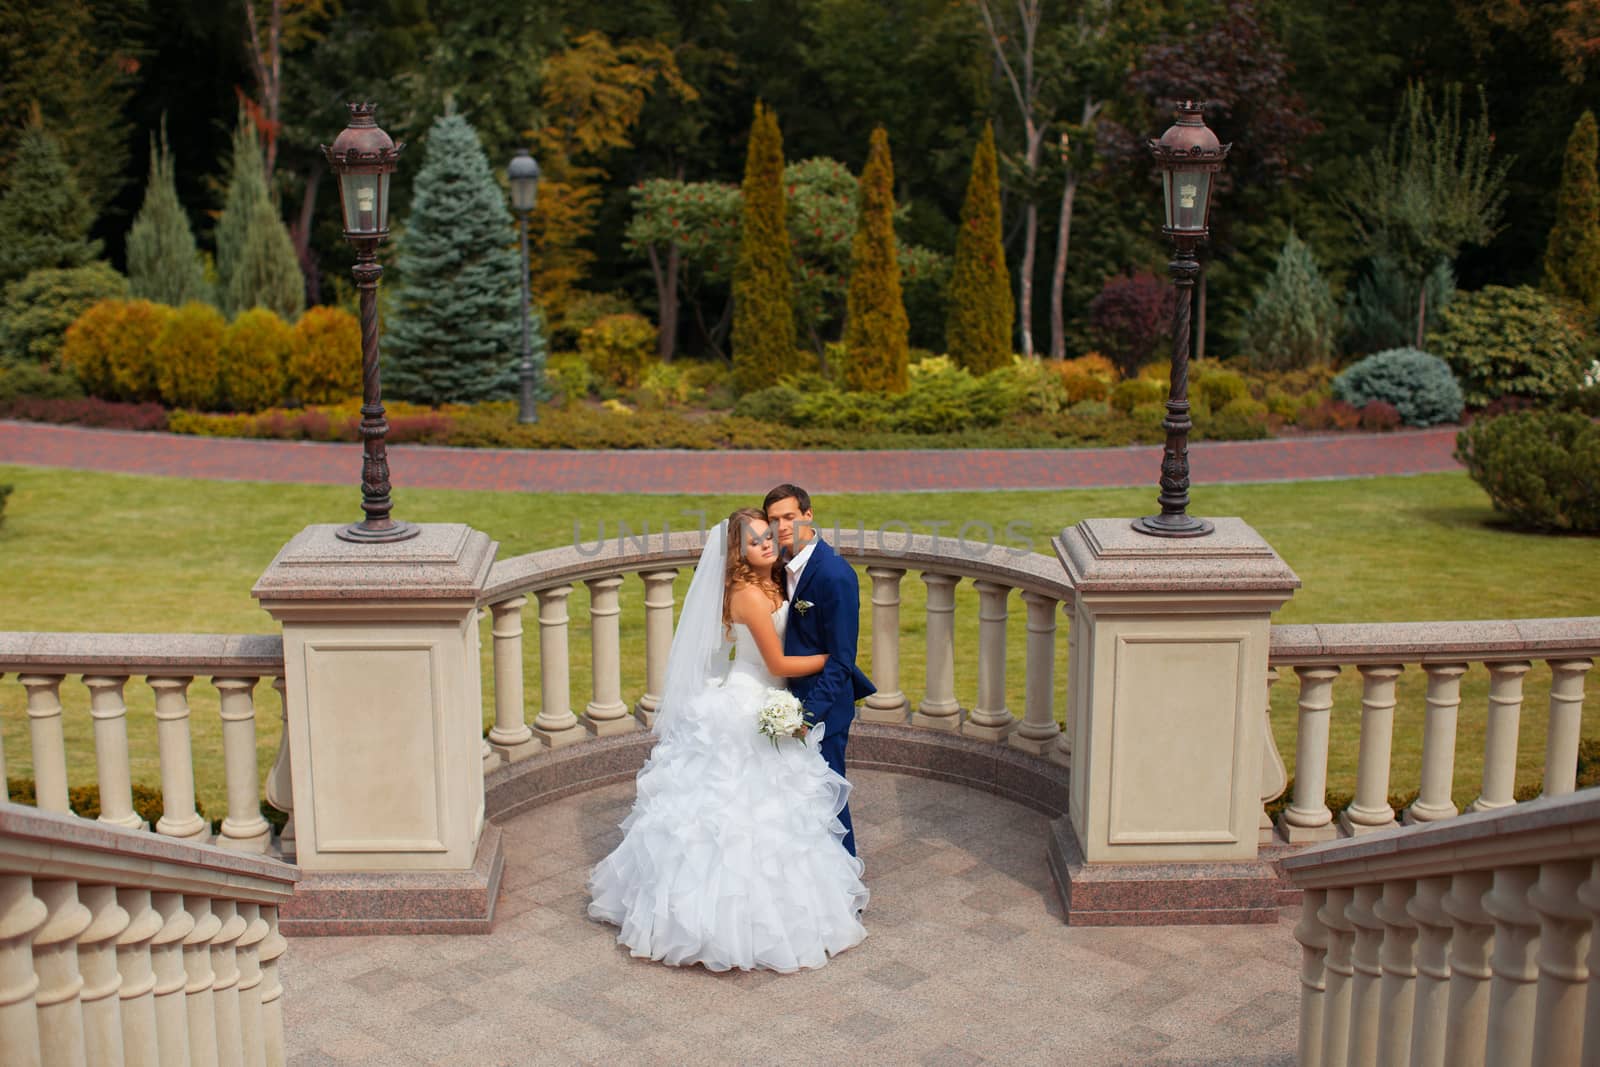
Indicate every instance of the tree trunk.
{"type": "Point", "coordinates": [300, 233]}
{"type": "Point", "coordinates": [1422, 311]}
{"type": "Point", "coordinates": [667, 343]}
{"type": "Point", "coordinates": [1030, 242]}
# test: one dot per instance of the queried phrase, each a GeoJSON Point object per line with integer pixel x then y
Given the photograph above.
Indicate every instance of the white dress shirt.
{"type": "Point", "coordinates": [798, 564]}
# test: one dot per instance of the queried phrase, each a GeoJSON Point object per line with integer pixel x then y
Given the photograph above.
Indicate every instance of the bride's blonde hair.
{"type": "Point", "coordinates": [738, 570]}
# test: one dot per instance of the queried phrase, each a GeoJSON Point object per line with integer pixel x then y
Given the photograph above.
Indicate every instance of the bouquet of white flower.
{"type": "Point", "coordinates": [782, 715]}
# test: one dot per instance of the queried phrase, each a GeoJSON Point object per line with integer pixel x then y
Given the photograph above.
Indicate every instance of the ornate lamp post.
{"type": "Point", "coordinates": [1189, 154]}
{"type": "Point", "coordinates": [363, 157]}
{"type": "Point", "coordinates": [524, 175]}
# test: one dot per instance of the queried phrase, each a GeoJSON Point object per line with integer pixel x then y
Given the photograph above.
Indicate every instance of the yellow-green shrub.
{"type": "Point", "coordinates": [1130, 394]}
{"type": "Point", "coordinates": [618, 347]}
{"type": "Point", "coordinates": [1217, 388]}
{"type": "Point", "coordinates": [188, 354]}
{"type": "Point", "coordinates": [568, 374]}
{"type": "Point", "coordinates": [1082, 387]}
{"type": "Point", "coordinates": [255, 351]}
{"type": "Point", "coordinates": [1092, 365]}
{"type": "Point", "coordinates": [325, 357]}
{"type": "Point", "coordinates": [666, 385]}
{"type": "Point", "coordinates": [110, 348]}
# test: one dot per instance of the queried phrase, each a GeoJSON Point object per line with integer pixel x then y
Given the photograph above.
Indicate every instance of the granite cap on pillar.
{"type": "Point", "coordinates": [444, 563]}
{"type": "Point", "coordinates": [1108, 556]}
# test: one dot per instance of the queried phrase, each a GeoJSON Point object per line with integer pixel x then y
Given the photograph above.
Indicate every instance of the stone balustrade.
{"type": "Point", "coordinates": [124, 947]}
{"type": "Point", "coordinates": [168, 663]}
{"type": "Point", "coordinates": [1443, 651]}
{"type": "Point", "coordinates": [1473, 942]}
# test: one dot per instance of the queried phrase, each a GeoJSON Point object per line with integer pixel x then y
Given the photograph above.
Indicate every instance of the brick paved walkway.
{"type": "Point", "coordinates": [966, 962]}
{"type": "Point", "coordinates": [1286, 459]}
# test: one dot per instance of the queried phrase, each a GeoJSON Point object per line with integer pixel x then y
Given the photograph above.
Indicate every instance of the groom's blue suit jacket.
{"type": "Point", "coordinates": [830, 625]}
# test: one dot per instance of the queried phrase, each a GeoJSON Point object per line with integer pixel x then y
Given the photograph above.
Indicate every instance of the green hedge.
{"type": "Point", "coordinates": [1542, 471]}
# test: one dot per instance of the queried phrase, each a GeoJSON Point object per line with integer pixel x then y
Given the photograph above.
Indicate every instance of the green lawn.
{"type": "Point", "coordinates": [126, 553]}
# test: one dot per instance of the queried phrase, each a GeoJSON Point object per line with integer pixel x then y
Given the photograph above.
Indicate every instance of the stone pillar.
{"type": "Point", "coordinates": [510, 735]}
{"type": "Point", "coordinates": [110, 715]}
{"type": "Point", "coordinates": [1430, 1010]}
{"type": "Point", "coordinates": [1564, 929]}
{"type": "Point", "coordinates": [658, 601]}
{"type": "Point", "coordinates": [1513, 990]}
{"type": "Point", "coordinates": [990, 719]}
{"type": "Point", "coordinates": [1370, 809]}
{"type": "Point", "coordinates": [279, 786]}
{"type": "Point", "coordinates": [1340, 964]}
{"type": "Point", "coordinates": [888, 704]}
{"type": "Point", "coordinates": [1398, 958]}
{"type": "Point", "coordinates": [1307, 817]}
{"type": "Point", "coordinates": [1367, 972]}
{"type": "Point", "coordinates": [49, 741]}
{"type": "Point", "coordinates": [1313, 938]}
{"type": "Point", "coordinates": [21, 914]}
{"type": "Point", "coordinates": [1439, 744]}
{"type": "Point", "coordinates": [606, 714]}
{"type": "Point", "coordinates": [1470, 946]}
{"type": "Point", "coordinates": [243, 828]}
{"type": "Point", "coordinates": [55, 962]}
{"type": "Point", "coordinates": [97, 962]}
{"type": "Point", "coordinates": [939, 709]}
{"type": "Point", "coordinates": [172, 980]}
{"type": "Point", "coordinates": [1274, 775]}
{"type": "Point", "coordinates": [138, 977]}
{"type": "Point", "coordinates": [384, 698]}
{"type": "Point", "coordinates": [555, 724]}
{"type": "Point", "coordinates": [1062, 752]}
{"type": "Point", "coordinates": [1500, 736]}
{"type": "Point", "coordinates": [178, 815]}
{"type": "Point", "coordinates": [1037, 732]}
{"type": "Point", "coordinates": [1566, 720]}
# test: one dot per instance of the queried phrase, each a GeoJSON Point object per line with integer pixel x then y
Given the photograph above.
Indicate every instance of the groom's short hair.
{"type": "Point", "coordinates": [781, 492]}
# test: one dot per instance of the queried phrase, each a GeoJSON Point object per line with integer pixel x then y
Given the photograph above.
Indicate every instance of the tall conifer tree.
{"type": "Point", "coordinates": [163, 263]}
{"type": "Point", "coordinates": [877, 332]}
{"type": "Point", "coordinates": [1572, 257]}
{"type": "Point", "coordinates": [44, 219]}
{"type": "Point", "coordinates": [247, 187]}
{"type": "Point", "coordinates": [978, 324]}
{"type": "Point", "coordinates": [763, 291]}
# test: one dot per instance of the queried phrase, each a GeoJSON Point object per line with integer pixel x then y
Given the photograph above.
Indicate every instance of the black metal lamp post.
{"type": "Point", "coordinates": [1189, 155]}
{"type": "Point", "coordinates": [524, 175]}
{"type": "Point", "coordinates": [363, 157]}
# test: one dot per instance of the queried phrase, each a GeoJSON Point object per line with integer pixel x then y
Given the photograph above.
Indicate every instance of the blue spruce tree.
{"type": "Point", "coordinates": [455, 330]}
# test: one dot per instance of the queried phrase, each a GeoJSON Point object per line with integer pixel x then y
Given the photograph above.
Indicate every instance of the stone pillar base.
{"type": "Point", "coordinates": [1034, 746]}
{"type": "Point", "coordinates": [1351, 828]}
{"type": "Point", "coordinates": [981, 732]}
{"type": "Point", "coordinates": [410, 902]}
{"type": "Point", "coordinates": [888, 715]}
{"type": "Point", "coordinates": [1306, 835]}
{"type": "Point", "coordinates": [1159, 894]}
{"type": "Point", "coordinates": [948, 723]}
{"type": "Point", "coordinates": [622, 724]}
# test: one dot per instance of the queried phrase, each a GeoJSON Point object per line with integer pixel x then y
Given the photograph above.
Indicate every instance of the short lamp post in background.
{"type": "Point", "coordinates": [524, 176]}
{"type": "Point", "coordinates": [1189, 155]}
{"type": "Point", "coordinates": [363, 157]}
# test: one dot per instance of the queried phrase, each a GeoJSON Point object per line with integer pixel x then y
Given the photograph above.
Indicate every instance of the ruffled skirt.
{"type": "Point", "coordinates": [733, 854]}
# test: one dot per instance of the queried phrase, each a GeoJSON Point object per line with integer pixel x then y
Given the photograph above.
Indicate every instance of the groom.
{"type": "Point", "coordinates": [824, 616]}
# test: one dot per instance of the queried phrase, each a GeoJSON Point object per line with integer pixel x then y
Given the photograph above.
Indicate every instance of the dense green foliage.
{"type": "Point", "coordinates": [763, 294]}
{"type": "Point", "coordinates": [1572, 257]}
{"type": "Point", "coordinates": [163, 263]}
{"type": "Point", "coordinates": [1381, 308]}
{"type": "Point", "coordinates": [978, 329]}
{"type": "Point", "coordinates": [1541, 470]}
{"type": "Point", "coordinates": [246, 191]}
{"type": "Point", "coordinates": [188, 357]}
{"type": "Point", "coordinates": [1504, 342]}
{"type": "Point", "coordinates": [325, 358]}
{"type": "Point", "coordinates": [254, 360]}
{"type": "Point", "coordinates": [1419, 386]}
{"type": "Point", "coordinates": [1294, 322]}
{"type": "Point", "coordinates": [456, 326]}
{"type": "Point", "coordinates": [44, 218]}
{"type": "Point", "coordinates": [37, 310]}
{"type": "Point", "coordinates": [266, 274]}
{"type": "Point", "coordinates": [877, 332]}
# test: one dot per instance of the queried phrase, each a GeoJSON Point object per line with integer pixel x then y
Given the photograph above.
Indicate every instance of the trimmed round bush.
{"type": "Point", "coordinates": [1542, 471]}
{"type": "Point", "coordinates": [324, 364]}
{"type": "Point", "coordinates": [1217, 388]}
{"type": "Point", "coordinates": [110, 348]}
{"type": "Point", "coordinates": [39, 308]}
{"type": "Point", "coordinates": [1419, 386]}
{"type": "Point", "coordinates": [255, 352]}
{"type": "Point", "coordinates": [1504, 342]}
{"type": "Point", "coordinates": [188, 355]}
{"type": "Point", "coordinates": [618, 347]}
{"type": "Point", "coordinates": [1134, 392]}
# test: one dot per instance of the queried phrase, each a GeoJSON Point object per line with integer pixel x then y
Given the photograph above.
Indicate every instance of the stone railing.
{"type": "Point", "coordinates": [1444, 651]}
{"type": "Point", "coordinates": [119, 947]}
{"type": "Point", "coordinates": [167, 663]}
{"type": "Point", "coordinates": [550, 576]}
{"type": "Point", "coordinates": [1468, 942]}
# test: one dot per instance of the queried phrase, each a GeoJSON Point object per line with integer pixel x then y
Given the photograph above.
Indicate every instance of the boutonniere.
{"type": "Point", "coordinates": [803, 606]}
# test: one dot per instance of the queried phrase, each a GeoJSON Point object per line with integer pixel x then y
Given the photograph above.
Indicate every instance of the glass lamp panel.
{"type": "Point", "coordinates": [363, 194]}
{"type": "Point", "coordinates": [1166, 195]}
{"type": "Point", "coordinates": [383, 202]}
{"type": "Point", "coordinates": [1188, 198]}
{"type": "Point", "coordinates": [523, 193]}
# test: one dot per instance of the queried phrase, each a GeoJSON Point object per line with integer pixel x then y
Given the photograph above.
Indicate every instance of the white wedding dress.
{"type": "Point", "coordinates": [733, 854]}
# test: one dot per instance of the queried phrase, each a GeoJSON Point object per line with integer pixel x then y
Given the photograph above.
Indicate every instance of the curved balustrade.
{"type": "Point", "coordinates": [1443, 651]}
{"type": "Point", "coordinates": [550, 576]}
{"type": "Point", "coordinates": [105, 663]}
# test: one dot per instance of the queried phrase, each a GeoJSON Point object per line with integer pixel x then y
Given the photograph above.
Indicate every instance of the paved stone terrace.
{"type": "Point", "coordinates": [967, 962]}
{"type": "Point", "coordinates": [1285, 459]}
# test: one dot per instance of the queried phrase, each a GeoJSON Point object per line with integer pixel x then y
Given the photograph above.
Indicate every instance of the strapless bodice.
{"type": "Point", "coordinates": [747, 660]}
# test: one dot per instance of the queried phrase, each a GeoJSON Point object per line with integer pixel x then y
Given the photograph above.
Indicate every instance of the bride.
{"type": "Point", "coordinates": [733, 854]}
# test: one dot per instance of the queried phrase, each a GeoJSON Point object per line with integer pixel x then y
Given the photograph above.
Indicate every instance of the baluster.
{"type": "Point", "coordinates": [1500, 736]}
{"type": "Point", "coordinates": [606, 714]}
{"type": "Point", "coordinates": [271, 989]}
{"type": "Point", "coordinates": [1367, 972]}
{"type": "Point", "coordinates": [243, 828]}
{"type": "Point", "coordinates": [110, 716]}
{"type": "Point", "coordinates": [658, 602]}
{"type": "Point", "coordinates": [1513, 993]}
{"type": "Point", "coordinates": [138, 977]}
{"type": "Point", "coordinates": [1037, 732]}
{"type": "Point", "coordinates": [1307, 817]}
{"type": "Point", "coordinates": [5, 784]}
{"type": "Point", "coordinates": [21, 914]}
{"type": "Point", "coordinates": [225, 987]}
{"type": "Point", "coordinates": [939, 709]}
{"type": "Point", "coordinates": [1313, 938]}
{"type": "Point", "coordinates": [1566, 721]}
{"type": "Point", "coordinates": [1062, 753]}
{"type": "Point", "coordinates": [1438, 744]}
{"type": "Point", "coordinates": [48, 741]}
{"type": "Point", "coordinates": [990, 719]}
{"type": "Point", "coordinates": [1370, 810]}
{"type": "Point", "coordinates": [55, 962]}
{"type": "Point", "coordinates": [888, 704]}
{"type": "Point", "coordinates": [1431, 1010]}
{"type": "Point", "coordinates": [1338, 970]}
{"type": "Point", "coordinates": [1563, 969]}
{"type": "Point", "coordinates": [510, 735]}
{"type": "Point", "coordinates": [280, 779]}
{"type": "Point", "coordinates": [249, 956]}
{"type": "Point", "coordinates": [1589, 897]}
{"type": "Point", "coordinates": [200, 1003]}
{"type": "Point", "coordinates": [1397, 957]}
{"type": "Point", "coordinates": [172, 980]}
{"type": "Point", "coordinates": [555, 724]}
{"type": "Point", "coordinates": [1471, 940]}
{"type": "Point", "coordinates": [1274, 776]}
{"type": "Point", "coordinates": [178, 815]}
{"type": "Point", "coordinates": [97, 962]}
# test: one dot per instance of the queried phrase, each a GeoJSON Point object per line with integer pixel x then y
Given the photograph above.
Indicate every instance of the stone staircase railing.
{"type": "Point", "coordinates": [1444, 651]}
{"type": "Point", "coordinates": [1472, 941]}
{"type": "Point", "coordinates": [167, 663]}
{"type": "Point", "coordinates": [125, 947]}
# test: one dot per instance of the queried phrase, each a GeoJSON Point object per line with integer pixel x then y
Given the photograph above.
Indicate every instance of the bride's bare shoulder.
{"type": "Point", "coordinates": [747, 601]}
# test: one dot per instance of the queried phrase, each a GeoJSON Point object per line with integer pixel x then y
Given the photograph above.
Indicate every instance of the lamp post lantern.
{"type": "Point", "coordinates": [363, 157]}
{"type": "Point", "coordinates": [523, 173]}
{"type": "Point", "coordinates": [1190, 156]}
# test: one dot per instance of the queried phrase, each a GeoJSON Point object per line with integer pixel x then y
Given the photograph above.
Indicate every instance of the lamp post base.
{"type": "Point", "coordinates": [1179, 525]}
{"type": "Point", "coordinates": [383, 532]}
